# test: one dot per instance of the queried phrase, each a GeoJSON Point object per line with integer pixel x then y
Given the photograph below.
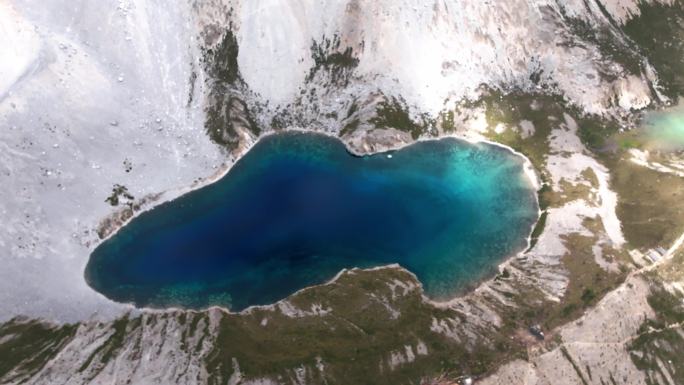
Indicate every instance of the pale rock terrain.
{"type": "Point", "coordinates": [98, 85]}
{"type": "Point", "coordinates": [503, 44]}
{"type": "Point", "coordinates": [599, 341]}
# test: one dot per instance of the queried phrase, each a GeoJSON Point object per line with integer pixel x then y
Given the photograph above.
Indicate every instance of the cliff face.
{"type": "Point", "coordinates": [338, 65]}
{"type": "Point", "coordinates": [109, 109]}
{"type": "Point", "coordinates": [434, 53]}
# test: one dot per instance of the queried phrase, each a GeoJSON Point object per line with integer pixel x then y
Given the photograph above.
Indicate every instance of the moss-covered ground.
{"type": "Point", "coordinates": [355, 339]}
{"type": "Point", "coordinates": [27, 345]}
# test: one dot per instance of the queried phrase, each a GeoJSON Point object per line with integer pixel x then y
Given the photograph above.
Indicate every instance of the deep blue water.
{"type": "Point", "coordinates": [298, 208]}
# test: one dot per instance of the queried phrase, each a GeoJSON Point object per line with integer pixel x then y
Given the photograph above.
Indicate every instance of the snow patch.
{"type": "Point", "coordinates": [20, 48]}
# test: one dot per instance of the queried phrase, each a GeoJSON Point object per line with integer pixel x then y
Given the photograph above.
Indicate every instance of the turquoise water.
{"type": "Point", "coordinates": [665, 129]}
{"type": "Point", "coordinates": [298, 208]}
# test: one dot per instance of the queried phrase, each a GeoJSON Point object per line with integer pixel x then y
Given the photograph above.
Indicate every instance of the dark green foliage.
{"type": "Point", "coordinates": [448, 122]}
{"type": "Point", "coordinates": [352, 109]}
{"type": "Point", "coordinates": [568, 310]}
{"type": "Point", "coordinates": [349, 127]}
{"type": "Point", "coordinates": [107, 350]}
{"type": "Point", "coordinates": [650, 205]}
{"type": "Point", "coordinates": [659, 32]}
{"type": "Point", "coordinates": [609, 41]}
{"type": "Point", "coordinates": [222, 62]}
{"type": "Point", "coordinates": [511, 109]}
{"type": "Point", "coordinates": [354, 340]}
{"type": "Point", "coordinates": [658, 349]}
{"type": "Point", "coordinates": [588, 296]}
{"type": "Point", "coordinates": [669, 307]}
{"type": "Point", "coordinates": [225, 109]}
{"type": "Point", "coordinates": [594, 131]}
{"type": "Point", "coordinates": [28, 345]}
{"type": "Point", "coordinates": [328, 57]}
{"type": "Point", "coordinates": [538, 229]}
{"type": "Point", "coordinates": [119, 191]}
{"type": "Point", "coordinates": [223, 114]}
{"type": "Point", "coordinates": [393, 113]}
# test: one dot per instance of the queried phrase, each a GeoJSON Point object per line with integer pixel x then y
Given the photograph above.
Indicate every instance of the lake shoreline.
{"type": "Point", "coordinates": [470, 287]}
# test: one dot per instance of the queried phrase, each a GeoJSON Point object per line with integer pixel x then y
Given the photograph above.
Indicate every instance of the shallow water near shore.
{"type": "Point", "coordinates": [298, 208]}
{"type": "Point", "coordinates": [664, 129]}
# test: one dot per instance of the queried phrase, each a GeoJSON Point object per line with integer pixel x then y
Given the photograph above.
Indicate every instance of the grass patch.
{"type": "Point", "coordinates": [588, 282]}
{"type": "Point", "coordinates": [225, 111]}
{"type": "Point", "coordinates": [338, 63]}
{"type": "Point", "coordinates": [595, 132]}
{"type": "Point", "coordinates": [607, 40]}
{"type": "Point", "coordinates": [538, 229]}
{"type": "Point", "coordinates": [393, 113]}
{"type": "Point", "coordinates": [349, 127]}
{"type": "Point", "coordinates": [510, 110]}
{"type": "Point", "coordinates": [657, 350]}
{"type": "Point", "coordinates": [28, 345]}
{"type": "Point", "coordinates": [659, 32]}
{"type": "Point", "coordinates": [221, 61]}
{"type": "Point", "coordinates": [354, 340]}
{"type": "Point", "coordinates": [650, 203]}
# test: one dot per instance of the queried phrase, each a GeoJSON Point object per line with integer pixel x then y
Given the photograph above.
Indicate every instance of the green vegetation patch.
{"type": "Point", "coordinates": [349, 127]}
{"type": "Point", "coordinates": [224, 114]}
{"type": "Point", "coordinates": [363, 323]}
{"type": "Point", "coordinates": [607, 39]}
{"type": "Point", "coordinates": [673, 270]}
{"type": "Point", "coordinates": [658, 349]}
{"type": "Point", "coordinates": [659, 32]}
{"type": "Point", "coordinates": [118, 192]}
{"type": "Point", "coordinates": [105, 352]}
{"type": "Point", "coordinates": [393, 113]}
{"type": "Point", "coordinates": [225, 109]}
{"type": "Point", "coordinates": [650, 203]}
{"type": "Point", "coordinates": [338, 63]}
{"type": "Point", "coordinates": [596, 132]}
{"type": "Point", "coordinates": [538, 229]}
{"type": "Point", "coordinates": [512, 109]}
{"type": "Point", "coordinates": [221, 61]}
{"type": "Point", "coordinates": [588, 282]}
{"type": "Point", "coordinates": [26, 346]}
